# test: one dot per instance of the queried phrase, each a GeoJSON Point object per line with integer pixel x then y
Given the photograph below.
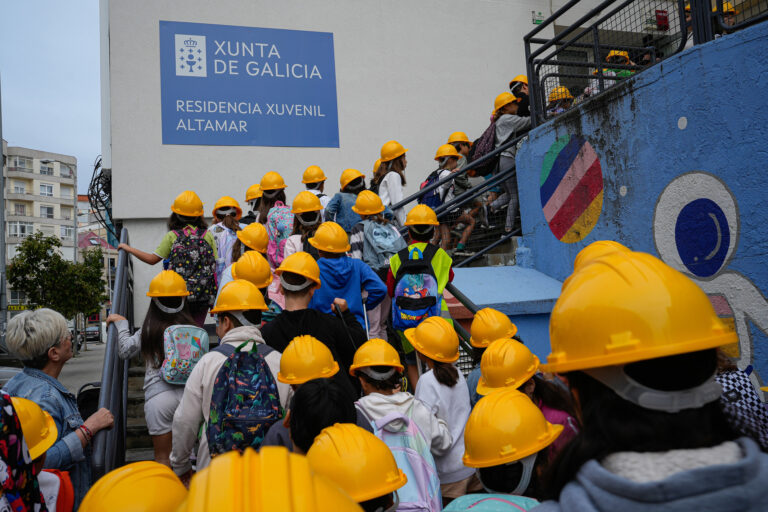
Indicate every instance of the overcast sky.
{"type": "Point", "coordinates": [49, 66]}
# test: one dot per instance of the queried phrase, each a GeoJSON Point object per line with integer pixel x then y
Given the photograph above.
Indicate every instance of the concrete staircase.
{"type": "Point", "coordinates": [138, 443]}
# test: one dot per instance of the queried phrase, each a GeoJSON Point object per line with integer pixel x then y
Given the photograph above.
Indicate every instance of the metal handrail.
{"type": "Point", "coordinates": [109, 445]}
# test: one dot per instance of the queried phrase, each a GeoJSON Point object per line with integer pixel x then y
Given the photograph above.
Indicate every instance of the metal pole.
{"type": "Point", "coordinates": [3, 298]}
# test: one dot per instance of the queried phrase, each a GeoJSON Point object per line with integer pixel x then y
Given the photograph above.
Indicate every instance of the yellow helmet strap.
{"type": "Point", "coordinates": [253, 204]}
{"type": "Point", "coordinates": [241, 318]}
{"type": "Point", "coordinates": [525, 479]}
{"type": "Point", "coordinates": [271, 193]}
{"type": "Point", "coordinates": [668, 401]}
{"type": "Point", "coordinates": [314, 219]}
{"type": "Point", "coordinates": [166, 309]}
{"type": "Point", "coordinates": [295, 287]}
{"type": "Point", "coordinates": [380, 376]}
{"type": "Point", "coordinates": [223, 212]}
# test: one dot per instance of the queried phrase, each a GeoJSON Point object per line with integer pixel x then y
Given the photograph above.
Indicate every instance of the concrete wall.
{"type": "Point", "coordinates": [677, 168]}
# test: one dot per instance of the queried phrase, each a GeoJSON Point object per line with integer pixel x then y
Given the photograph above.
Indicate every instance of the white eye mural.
{"type": "Point", "coordinates": [696, 224]}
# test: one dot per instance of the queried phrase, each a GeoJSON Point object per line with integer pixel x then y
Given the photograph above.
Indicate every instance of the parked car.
{"type": "Point", "coordinates": [93, 333]}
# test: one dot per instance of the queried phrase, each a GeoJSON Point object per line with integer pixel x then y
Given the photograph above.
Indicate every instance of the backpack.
{"type": "Point", "coordinates": [192, 258]}
{"type": "Point", "coordinates": [279, 228]}
{"type": "Point", "coordinates": [225, 238]}
{"type": "Point", "coordinates": [492, 503]}
{"type": "Point", "coordinates": [416, 296]}
{"type": "Point", "coordinates": [244, 402]}
{"type": "Point", "coordinates": [481, 147]}
{"type": "Point", "coordinates": [183, 345]}
{"type": "Point", "coordinates": [413, 456]}
{"type": "Point", "coordinates": [431, 198]}
{"type": "Point", "coordinates": [381, 242]}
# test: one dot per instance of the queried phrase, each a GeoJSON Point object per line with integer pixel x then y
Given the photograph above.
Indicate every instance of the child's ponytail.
{"type": "Point", "coordinates": [445, 373]}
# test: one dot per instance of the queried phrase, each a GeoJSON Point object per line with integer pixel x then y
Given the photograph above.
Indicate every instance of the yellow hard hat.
{"type": "Point", "coordinates": [618, 53]}
{"type": "Point", "coordinates": [368, 203]}
{"type": "Point", "coordinates": [253, 267]}
{"type": "Point", "coordinates": [272, 181]}
{"type": "Point", "coordinates": [502, 99]}
{"type": "Point", "coordinates": [489, 325]}
{"type": "Point", "coordinates": [306, 358]}
{"type": "Point", "coordinates": [687, 7]}
{"type": "Point", "coordinates": [627, 307]}
{"type": "Point", "coordinates": [505, 363]}
{"type": "Point", "coordinates": [727, 8]}
{"type": "Point", "coordinates": [459, 137]}
{"type": "Point", "coordinates": [597, 250]}
{"type": "Point", "coordinates": [239, 295]}
{"type": "Point", "coordinates": [228, 202]}
{"type": "Point", "coordinates": [187, 204]}
{"type": "Point", "coordinates": [391, 150]}
{"type": "Point", "coordinates": [350, 175]}
{"type": "Point", "coordinates": [306, 201]}
{"type": "Point", "coordinates": [253, 192]}
{"type": "Point", "coordinates": [519, 78]}
{"type": "Point", "coordinates": [421, 214]}
{"type": "Point", "coordinates": [446, 150]}
{"type": "Point", "coordinates": [505, 427]}
{"type": "Point", "coordinates": [376, 165]}
{"type": "Point", "coordinates": [374, 472]}
{"type": "Point", "coordinates": [271, 480]}
{"type": "Point", "coordinates": [435, 338]}
{"type": "Point", "coordinates": [145, 486]}
{"type": "Point", "coordinates": [330, 237]}
{"type": "Point", "coordinates": [167, 284]}
{"type": "Point", "coordinates": [375, 352]}
{"type": "Point", "coordinates": [255, 236]}
{"type": "Point", "coordinates": [39, 429]}
{"type": "Point", "coordinates": [301, 263]}
{"type": "Point", "coordinates": [560, 93]}
{"type": "Point", "coordinates": [313, 174]}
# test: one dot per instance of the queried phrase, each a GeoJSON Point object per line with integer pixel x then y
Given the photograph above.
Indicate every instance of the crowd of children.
{"type": "Point", "coordinates": [333, 384]}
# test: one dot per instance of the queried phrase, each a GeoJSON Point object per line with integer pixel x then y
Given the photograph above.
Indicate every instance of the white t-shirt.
{"type": "Point", "coordinates": [391, 192]}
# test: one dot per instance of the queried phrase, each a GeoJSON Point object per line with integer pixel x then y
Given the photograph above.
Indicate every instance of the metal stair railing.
{"type": "Point", "coordinates": [109, 445]}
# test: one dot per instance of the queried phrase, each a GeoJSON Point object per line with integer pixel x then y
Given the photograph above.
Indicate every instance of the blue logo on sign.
{"type": "Point", "coordinates": [244, 86]}
{"type": "Point", "coordinates": [702, 236]}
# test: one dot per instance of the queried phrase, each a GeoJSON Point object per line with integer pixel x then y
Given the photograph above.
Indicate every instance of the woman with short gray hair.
{"type": "Point", "coordinates": [43, 342]}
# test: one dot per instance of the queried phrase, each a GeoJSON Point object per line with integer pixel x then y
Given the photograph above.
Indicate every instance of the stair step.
{"type": "Point", "coordinates": [137, 436]}
{"type": "Point", "coordinates": [139, 454]}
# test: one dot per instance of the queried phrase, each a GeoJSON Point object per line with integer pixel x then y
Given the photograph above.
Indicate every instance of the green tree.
{"type": "Point", "coordinates": [50, 281]}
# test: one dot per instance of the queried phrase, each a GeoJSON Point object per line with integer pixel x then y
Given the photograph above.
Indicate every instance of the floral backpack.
{"type": "Point", "coordinates": [192, 258]}
{"type": "Point", "coordinates": [184, 345]}
{"type": "Point", "coordinates": [279, 228]}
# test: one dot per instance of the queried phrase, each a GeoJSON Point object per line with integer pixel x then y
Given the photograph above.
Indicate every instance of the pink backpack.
{"type": "Point", "coordinates": [279, 228]}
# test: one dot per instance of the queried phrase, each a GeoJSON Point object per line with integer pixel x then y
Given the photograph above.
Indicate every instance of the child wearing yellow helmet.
{"type": "Point", "coordinates": [314, 180]}
{"type": "Point", "coordinates": [389, 179]}
{"type": "Point", "coordinates": [226, 214]}
{"type": "Point", "coordinates": [339, 209]}
{"type": "Point", "coordinates": [238, 313]}
{"type": "Point", "coordinates": [307, 216]}
{"type": "Point", "coordinates": [187, 233]}
{"type": "Point", "coordinates": [168, 306]}
{"type": "Point", "coordinates": [448, 163]}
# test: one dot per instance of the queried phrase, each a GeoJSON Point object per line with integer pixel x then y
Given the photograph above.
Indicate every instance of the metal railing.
{"type": "Point", "coordinates": [466, 360]}
{"type": "Point", "coordinates": [109, 445]}
{"type": "Point", "coordinates": [640, 33]}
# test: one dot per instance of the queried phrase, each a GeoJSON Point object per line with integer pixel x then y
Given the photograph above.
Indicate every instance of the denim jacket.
{"type": "Point", "coordinates": [339, 210]}
{"type": "Point", "coordinates": [67, 453]}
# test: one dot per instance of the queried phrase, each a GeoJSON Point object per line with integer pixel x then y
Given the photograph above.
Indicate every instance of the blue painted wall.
{"type": "Point", "coordinates": [684, 158]}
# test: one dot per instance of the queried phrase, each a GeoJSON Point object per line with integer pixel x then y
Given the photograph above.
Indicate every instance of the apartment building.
{"type": "Point", "coordinates": [40, 195]}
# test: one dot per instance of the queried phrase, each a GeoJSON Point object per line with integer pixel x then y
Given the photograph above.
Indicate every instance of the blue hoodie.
{"type": "Point", "coordinates": [344, 278]}
{"type": "Point", "coordinates": [717, 487]}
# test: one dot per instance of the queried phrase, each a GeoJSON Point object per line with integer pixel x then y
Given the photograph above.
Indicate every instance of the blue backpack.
{"type": "Point", "coordinates": [245, 401]}
{"type": "Point", "coordinates": [431, 198]}
{"type": "Point", "coordinates": [416, 292]}
{"type": "Point", "coordinates": [381, 242]}
{"type": "Point", "coordinates": [413, 456]}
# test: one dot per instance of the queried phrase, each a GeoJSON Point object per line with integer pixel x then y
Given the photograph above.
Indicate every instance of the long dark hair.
{"type": "Point", "coordinates": [178, 222]}
{"type": "Point", "coordinates": [445, 373]}
{"type": "Point", "coordinates": [238, 249]}
{"type": "Point", "coordinates": [611, 424]}
{"type": "Point", "coordinates": [553, 395]}
{"type": "Point", "coordinates": [155, 324]}
{"type": "Point", "coordinates": [229, 221]}
{"type": "Point", "coordinates": [306, 231]}
{"type": "Point", "coordinates": [378, 218]}
{"type": "Point", "coordinates": [387, 167]}
{"type": "Point", "coordinates": [355, 186]}
{"type": "Point", "coordinates": [268, 202]}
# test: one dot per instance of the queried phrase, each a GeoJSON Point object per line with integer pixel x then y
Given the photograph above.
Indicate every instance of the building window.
{"type": "Point", "coordinates": [20, 229]}
{"type": "Point", "coordinates": [67, 232]}
{"type": "Point", "coordinates": [66, 213]}
{"type": "Point", "coordinates": [46, 212]}
{"type": "Point", "coordinates": [47, 229]}
{"type": "Point", "coordinates": [66, 192]}
{"type": "Point", "coordinates": [19, 187]}
{"type": "Point", "coordinates": [23, 163]}
{"type": "Point", "coordinates": [19, 209]}
{"type": "Point", "coordinates": [17, 297]}
{"type": "Point", "coordinates": [46, 189]}
{"type": "Point", "coordinates": [46, 169]}
{"type": "Point", "coordinates": [65, 171]}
